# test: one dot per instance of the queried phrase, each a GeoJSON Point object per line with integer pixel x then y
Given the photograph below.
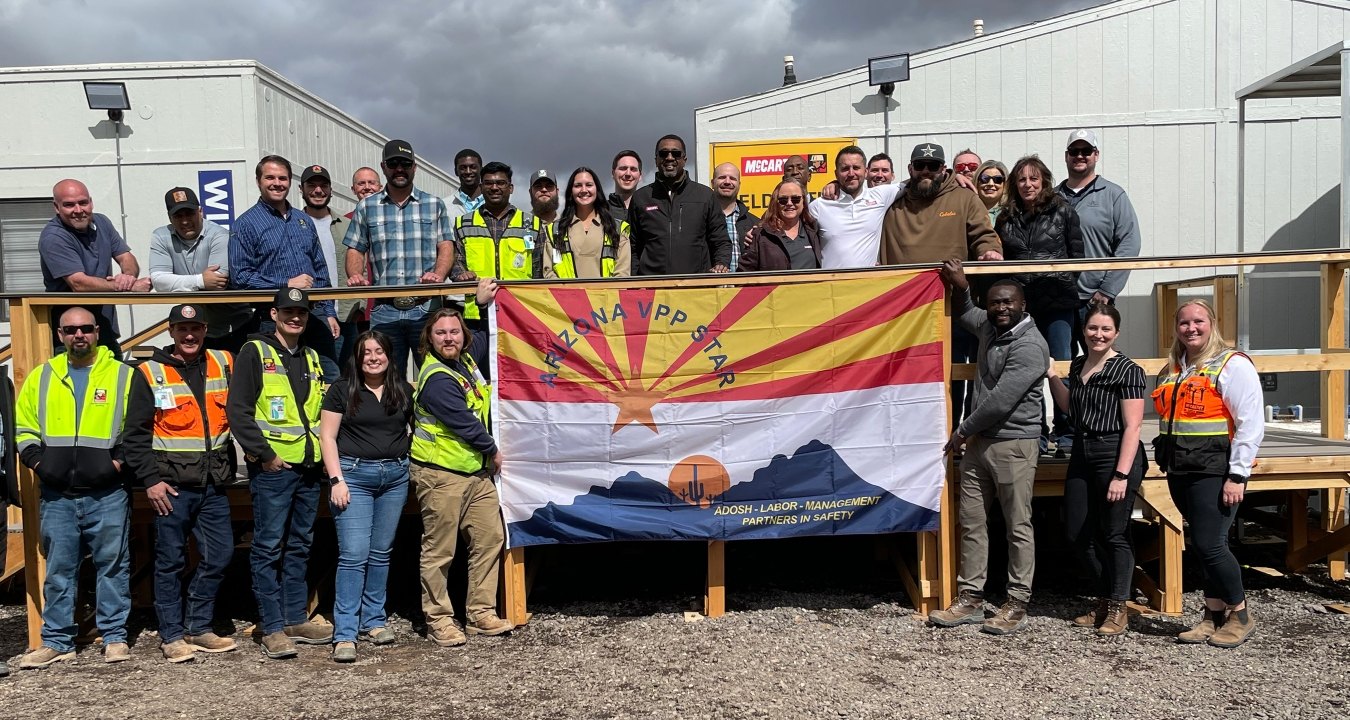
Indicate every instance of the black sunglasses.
{"type": "Point", "coordinates": [995, 179]}
{"type": "Point", "coordinates": [398, 163]}
{"type": "Point", "coordinates": [1080, 152]}
{"type": "Point", "coordinates": [927, 165]}
{"type": "Point", "coordinates": [669, 153]}
{"type": "Point", "coordinates": [72, 329]}
{"type": "Point", "coordinates": [789, 199]}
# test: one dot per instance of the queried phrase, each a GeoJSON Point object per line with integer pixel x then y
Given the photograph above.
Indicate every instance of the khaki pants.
{"type": "Point", "coordinates": [453, 503]}
{"type": "Point", "coordinates": [1002, 471]}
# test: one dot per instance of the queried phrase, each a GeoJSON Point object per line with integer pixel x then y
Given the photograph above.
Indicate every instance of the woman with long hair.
{"type": "Point", "coordinates": [1210, 424]}
{"type": "Point", "coordinates": [587, 241]}
{"type": "Point", "coordinates": [1105, 398]}
{"type": "Point", "coordinates": [991, 186]}
{"type": "Point", "coordinates": [364, 432]}
{"type": "Point", "coordinates": [786, 237]}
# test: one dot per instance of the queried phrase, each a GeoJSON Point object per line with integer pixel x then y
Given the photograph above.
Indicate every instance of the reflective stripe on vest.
{"type": "Point", "coordinates": [564, 263]}
{"type": "Point", "coordinates": [434, 443]}
{"type": "Point", "coordinates": [293, 436]}
{"type": "Point", "coordinates": [181, 428]}
{"type": "Point", "coordinates": [510, 258]}
{"type": "Point", "coordinates": [102, 413]}
{"type": "Point", "coordinates": [1192, 405]}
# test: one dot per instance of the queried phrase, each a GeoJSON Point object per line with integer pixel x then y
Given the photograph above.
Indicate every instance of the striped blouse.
{"type": "Point", "coordinates": [1095, 405]}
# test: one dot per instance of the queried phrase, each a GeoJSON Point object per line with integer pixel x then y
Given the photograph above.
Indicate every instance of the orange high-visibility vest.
{"type": "Point", "coordinates": [187, 426]}
{"type": "Point", "coordinates": [1195, 428]}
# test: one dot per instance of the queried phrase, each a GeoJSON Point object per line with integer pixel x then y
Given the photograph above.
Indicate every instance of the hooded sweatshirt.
{"type": "Point", "coordinates": [1011, 366]}
{"type": "Point", "coordinates": [954, 224]}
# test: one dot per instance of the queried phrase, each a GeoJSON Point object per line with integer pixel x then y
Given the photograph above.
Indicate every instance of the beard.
{"type": "Point", "coordinates": [548, 207]}
{"type": "Point", "coordinates": [925, 189]}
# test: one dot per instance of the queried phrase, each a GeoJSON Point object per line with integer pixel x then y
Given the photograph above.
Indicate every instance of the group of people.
{"type": "Point", "coordinates": [255, 375]}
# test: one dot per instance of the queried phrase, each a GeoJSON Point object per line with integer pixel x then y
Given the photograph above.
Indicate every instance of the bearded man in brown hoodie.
{"type": "Point", "coordinates": [935, 219]}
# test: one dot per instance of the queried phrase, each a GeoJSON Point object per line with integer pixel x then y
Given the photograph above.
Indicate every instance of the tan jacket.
{"type": "Point", "coordinates": [955, 224]}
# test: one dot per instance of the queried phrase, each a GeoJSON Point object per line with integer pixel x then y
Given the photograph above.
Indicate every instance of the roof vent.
{"type": "Point", "coordinates": [789, 76]}
{"type": "Point", "coordinates": [979, 27]}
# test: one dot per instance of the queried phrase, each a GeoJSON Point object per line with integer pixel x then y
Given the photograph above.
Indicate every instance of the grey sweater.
{"type": "Point", "coordinates": [1008, 402]}
{"type": "Point", "coordinates": [1110, 229]}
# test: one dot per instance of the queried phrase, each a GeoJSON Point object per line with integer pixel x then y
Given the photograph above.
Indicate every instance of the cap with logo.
{"type": "Point", "coordinates": [928, 151]}
{"type": "Point", "coordinates": [398, 149]}
{"type": "Point", "coordinates": [186, 313]}
{"type": "Point", "coordinates": [541, 175]}
{"type": "Point", "coordinates": [181, 198]}
{"type": "Point", "coordinates": [314, 171]}
{"type": "Point", "coordinates": [1082, 135]}
{"type": "Point", "coordinates": [290, 298]}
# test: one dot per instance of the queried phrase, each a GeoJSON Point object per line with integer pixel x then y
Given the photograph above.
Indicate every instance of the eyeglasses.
{"type": "Point", "coordinates": [72, 329]}
{"type": "Point", "coordinates": [495, 183]}
{"type": "Point", "coordinates": [995, 179]}
{"type": "Point", "coordinates": [966, 167]}
{"type": "Point", "coordinates": [670, 153]}
{"type": "Point", "coordinates": [1080, 151]}
{"type": "Point", "coordinates": [398, 163]}
{"type": "Point", "coordinates": [789, 199]}
{"type": "Point", "coordinates": [926, 165]}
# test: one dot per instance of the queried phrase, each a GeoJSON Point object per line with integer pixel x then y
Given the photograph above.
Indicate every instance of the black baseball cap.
{"type": "Point", "coordinates": [290, 298]}
{"type": "Point", "coordinates": [314, 171]}
{"type": "Point", "coordinates": [186, 313]}
{"type": "Point", "coordinates": [398, 149]}
{"type": "Point", "coordinates": [181, 198]}
{"type": "Point", "coordinates": [928, 151]}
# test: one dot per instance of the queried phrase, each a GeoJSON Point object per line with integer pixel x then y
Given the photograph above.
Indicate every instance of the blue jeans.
{"type": "Point", "coordinates": [404, 328]}
{"type": "Point", "coordinates": [285, 503]}
{"type": "Point", "coordinates": [365, 530]}
{"type": "Point", "coordinates": [1057, 328]}
{"type": "Point", "coordinates": [99, 524]}
{"type": "Point", "coordinates": [204, 512]}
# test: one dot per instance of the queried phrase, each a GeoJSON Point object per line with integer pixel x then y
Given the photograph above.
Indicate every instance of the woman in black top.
{"type": "Point", "coordinates": [364, 433]}
{"type": "Point", "coordinates": [1105, 397]}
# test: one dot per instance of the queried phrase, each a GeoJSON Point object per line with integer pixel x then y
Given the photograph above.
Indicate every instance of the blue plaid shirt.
{"type": "Point", "coordinates": [732, 217]}
{"type": "Point", "coordinates": [268, 248]}
{"type": "Point", "coordinates": [400, 242]}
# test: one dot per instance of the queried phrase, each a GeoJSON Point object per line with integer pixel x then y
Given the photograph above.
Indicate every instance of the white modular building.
{"type": "Point", "coordinates": [202, 125]}
{"type": "Point", "coordinates": [1157, 80]}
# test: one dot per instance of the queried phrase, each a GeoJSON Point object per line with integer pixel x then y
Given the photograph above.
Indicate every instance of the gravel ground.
{"type": "Point", "coordinates": [778, 653]}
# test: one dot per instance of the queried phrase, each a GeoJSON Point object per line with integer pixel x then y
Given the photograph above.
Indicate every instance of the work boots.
{"type": "Point", "coordinates": [1094, 617]}
{"type": "Point", "coordinates": [1210, 622]}
{"type": "Point", "coordinates": [1011, 617]}
{"type": "Point", "coordinates": [1237, 627]}
{"type": "Point", "coordinates": [1116, 620]}
{"type": "Point", "coordinates": [968, 607]}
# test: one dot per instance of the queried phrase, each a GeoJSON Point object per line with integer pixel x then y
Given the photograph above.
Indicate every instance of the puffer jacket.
{"type": "Point", "coordinates": [1053, 233]}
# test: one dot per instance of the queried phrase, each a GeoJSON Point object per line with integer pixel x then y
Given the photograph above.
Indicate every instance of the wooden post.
{"type": "Point", "coordinates": [1225, 306]}
{"type": "Point", "coordinates": [937, 554]}
{"type": "Point", "coordinates": [1298, 529]}
{"type": "Point", "coordinates": [1333, 338]}
{"type": "Point", "coordinates": [513, 576]}
{"type": "Point", "coordinates": [30, 334]}
{"type": "Point", "coordinates": [1333, 519]}
{"type": "Point", "coordinates": [1166, 305]}
{"type": "Point", "coordinates": [715, 595]}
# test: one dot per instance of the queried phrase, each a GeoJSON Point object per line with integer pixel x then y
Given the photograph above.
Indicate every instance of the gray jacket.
{"type": "Point", "coordinates": [1008, 398]}
{"type": "Point", "coordinates": [1110, 229]}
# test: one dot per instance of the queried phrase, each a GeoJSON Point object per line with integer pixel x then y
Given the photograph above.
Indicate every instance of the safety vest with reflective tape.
{"type": "Point", "coordinates": [434, 443]}
{"type": "Point", "coordinates": [1195, 427]}
{"type": "Point", "coordinates": [188, 426]}
{"type": "Point", "coordinates": [293, 434]}
{"type": "Point", "coordinates": [511, 258]}
{"type": "Point", "coordinates": [45, 413]}
{"type": "Point", "coordinates": [565, 266]}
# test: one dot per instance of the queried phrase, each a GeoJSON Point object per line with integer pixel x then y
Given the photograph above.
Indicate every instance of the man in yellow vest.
{"type": "Point", "coordinates": [273, 410]}
{"type": "Point", "coordinates": [178, 439]}
{"type": "Point", "coordinates": [497, 240]}
{"type": "Point", "coordinates": [70, 416]}
{"type": "Point", "coordinates": [454, 460]}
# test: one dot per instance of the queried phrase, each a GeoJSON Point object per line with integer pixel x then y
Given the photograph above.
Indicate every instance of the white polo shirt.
{"type": "Point", "coordinates": [850, 227]}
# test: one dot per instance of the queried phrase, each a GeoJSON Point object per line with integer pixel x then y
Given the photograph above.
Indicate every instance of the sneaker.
{"type": "Point", "coordinates": [1117, 619]}
{"type": "Point", "coordinates": [116, 652]}
{"type": "Point", "coordinates": [211, 642]}
{"type": "Point", "coordinates": [1237, 627]}
{"type": "Point", "coordinates": [379, 636]}
{"type": "Point", "coordinates": [344, 652]}
{"type": "Point", "coordinates": [42, 657]}
{"type": "Point", "coordinates": [489, 625]}
{"type": "Point", "coordinates": [178, 651]}
{"type": "Point", "coordinates": [1210, 622]}
{"type": "Point", "coordinates": [448, 635]}
{"type": "Point", "coordinates": [1094, 617]}
{"type": "Point", "coordinates": [968, 607]}
{"type": "Point", "coordinates": [277, 646]}
{"type": "Point", "coordinates": [1010, 618]}
{"type": "Point", "coordinates": [310, 633]}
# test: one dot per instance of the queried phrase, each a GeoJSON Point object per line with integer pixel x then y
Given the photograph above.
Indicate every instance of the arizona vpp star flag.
{"type": "Point", "coordinates": [810, 408]}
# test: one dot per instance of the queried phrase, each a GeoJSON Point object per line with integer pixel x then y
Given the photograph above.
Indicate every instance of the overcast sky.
{"type": "Point", "coordinates": [535, 84]}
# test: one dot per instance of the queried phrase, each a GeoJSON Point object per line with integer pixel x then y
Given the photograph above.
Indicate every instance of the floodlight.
{"type": "Point", "coordinates": [888, 69]}
{"type": "Point", "coordinates": [107, 96]}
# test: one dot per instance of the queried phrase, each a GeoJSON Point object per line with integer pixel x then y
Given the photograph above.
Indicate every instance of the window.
{"type": "Point", "coordinates": [21, 223]}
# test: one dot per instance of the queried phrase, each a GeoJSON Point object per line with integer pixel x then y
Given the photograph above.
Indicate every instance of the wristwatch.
{"type": "Point", "coordinates": [1118, 475]}
{"type": "Point", "coordinates": [1237, 479]}
{"type": "Point", "coordinates": [334, 480]}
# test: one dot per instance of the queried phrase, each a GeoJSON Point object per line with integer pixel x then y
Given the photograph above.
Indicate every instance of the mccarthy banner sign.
{"type": "Point", "coordinates": [720, 413]}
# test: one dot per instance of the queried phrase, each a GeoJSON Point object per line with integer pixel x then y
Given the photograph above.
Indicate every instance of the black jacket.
{"type": "Point", "coordinates": [246, 384]}
{"type": "Point", "coordinates": [1051, 234]}
{"type": "Point", "coordinates": [677, 230]}
{"type": "Point", "coordinates": [768, 252]}
{"type": "Point", "coordinates": [191, 469]}
{"type": "Point", "coordinates": [8, 445]}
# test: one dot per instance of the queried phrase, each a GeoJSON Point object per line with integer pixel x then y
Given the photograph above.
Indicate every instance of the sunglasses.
{"type": "Point", "coordinates": [927, 165]}
{"type": "Point", "coordinates": [72, 329]}
{"type": "Point", "coordinates": [966, 167]}
{"type": "Point", "coordinates": [995, 179]}
{"type": "Point", "coordinates": [789, 199]}
{"type": "Point", "coordinates": [670, 153]}
{"type": "Point", "coordinates": [398, 163]}
{"type": "Point", "coordinates": [1080, 151]}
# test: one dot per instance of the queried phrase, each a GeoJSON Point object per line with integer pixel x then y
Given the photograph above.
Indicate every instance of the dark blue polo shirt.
{"type": "Point", "coordinates": [65, 252]}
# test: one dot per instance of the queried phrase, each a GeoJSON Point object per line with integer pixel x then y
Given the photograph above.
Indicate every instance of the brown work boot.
{"type": "Point", "coordinates": [1117, 619]}
{"type": "Point", "coordinates": [1094, 617]}
{"type": "Point", "coordinates": [211, 642]}
{"type": "Point", "coordinates": [344, 652]}
{"type": "Point", "coordinates": [44, 656]}
{"type": "Point", "coordinates": [447, 635]}
{"type": "Point", "coordinates": [310, 633]}
{"type": "Point", "coordinates": [489, 624]}
{"type": "Point", "coordinates": [1011, 617]}
{"type": "Point", "coordinates": [1237, 627]}
{"type": "Point", "coordinates": [277, 646]}
{"type": "Point", "coordinates": [968, 607]}
{"type": "Point", "coordinates": [1209, 623]}
{"type": "Point", "coordinates": [116, 652]}
{"type": "Point", "coordinates": [177, 651]}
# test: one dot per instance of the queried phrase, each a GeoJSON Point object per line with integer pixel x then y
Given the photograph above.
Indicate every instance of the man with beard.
{"type": "Point", "coordinates": [850, 223]}
{"type": "Point", "coordinates": [497, 240]}
{"type": "Point", "coordinates": [935, 219]}
{"type": "Point", "coordinates": [468, 168]}
{"type": "Point", "coordinates": [316, 187]}
{"type": "Point", "coordinates": [69, 418]}
{"type": "Point", "coordinates": [405, 234]}
{"type": "Point", "coordinates": [675, 223]}
{"type": "Point", "coordinates": [627, 172]}
{"type": "Point", "coordinates": [1000, 436]}
{"type": "Point", "coordinates": [880, 170]}
{"type": "Point", "coordinates": [544, 197]}
{"type": "Point", "coordinates": [727, 186]}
